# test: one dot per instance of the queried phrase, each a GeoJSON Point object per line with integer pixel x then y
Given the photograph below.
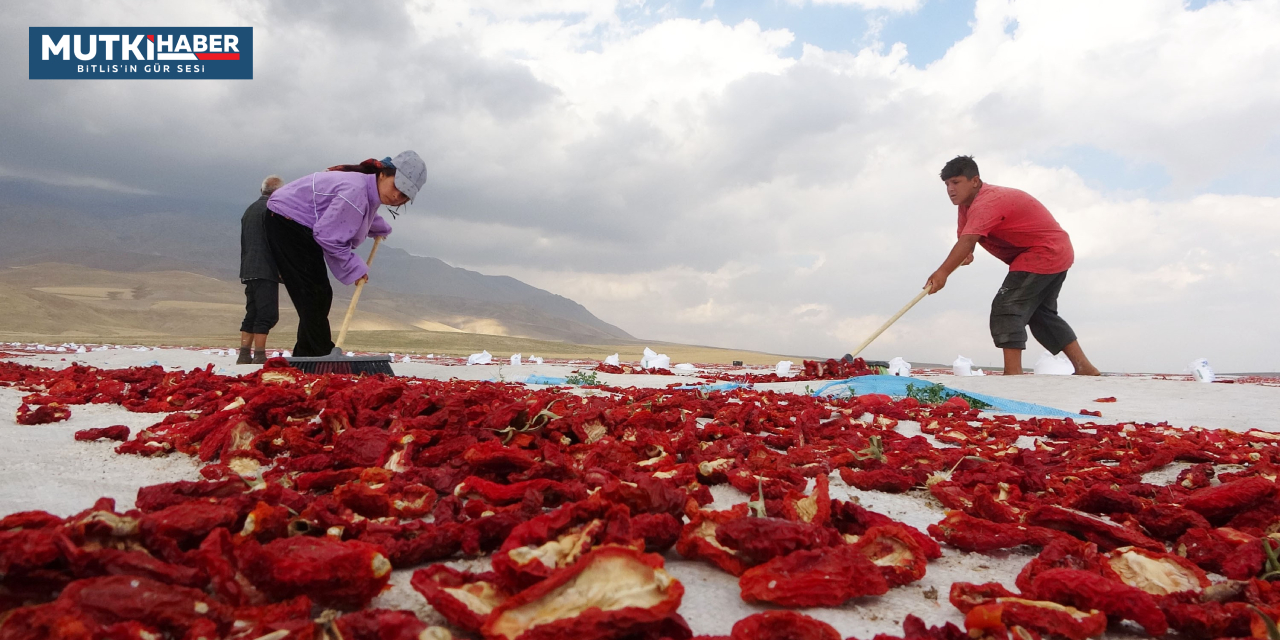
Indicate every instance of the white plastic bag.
{"type": "Point", "coordinates": [962, 366]}
{"type": "Point", "coordinates": [652, 360]}
{"type": "Point", "coordinates": [783, 368]}
{"type": "Point", "coordinates": [535, 359]}
{"type": "Point", "coordinates": [515, 359]}
{"type": "Point", "coordinates": [479, 358]}
{"type": "Point", "coordinates": [404, 359]}
{"type": "Point", "coordinates": [899, 367]}
{"type": "Point", "coordinates": [1201, 371]}
{"type": "Point", "coordinates": [684, 368]}
{"type": "Point", "coordinates": [613, 360]}
{"type": "Point", "coordinates": [1051, 365]}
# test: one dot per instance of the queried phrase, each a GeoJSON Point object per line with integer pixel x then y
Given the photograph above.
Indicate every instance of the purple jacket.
{"type": "Point", "coordinates": [341, 209]}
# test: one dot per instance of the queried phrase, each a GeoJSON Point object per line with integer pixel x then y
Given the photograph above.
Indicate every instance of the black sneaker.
{"type": "Point", "coordinates": [246, 356]}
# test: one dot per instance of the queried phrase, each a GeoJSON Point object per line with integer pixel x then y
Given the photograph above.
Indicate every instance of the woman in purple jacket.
{"type": "Point", "coordinates": [322, 218]}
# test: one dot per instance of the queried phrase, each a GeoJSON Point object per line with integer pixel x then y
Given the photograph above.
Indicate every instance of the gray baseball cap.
{"type": "Point", "coordinates": [411, 173]}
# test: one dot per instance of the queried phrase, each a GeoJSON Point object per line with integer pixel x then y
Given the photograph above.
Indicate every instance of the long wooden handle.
{"type": "Point", "coordinates": [355, 297]}
{"type": "Point", "coordinates": [919, 296]}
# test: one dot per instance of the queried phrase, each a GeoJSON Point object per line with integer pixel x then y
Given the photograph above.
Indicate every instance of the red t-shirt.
{"type": "Point", "coordinates": [1017, 229]}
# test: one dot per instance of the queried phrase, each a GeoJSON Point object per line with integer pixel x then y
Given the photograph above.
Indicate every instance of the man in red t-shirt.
{"type": "Point", "coordinates": [1014, 227]}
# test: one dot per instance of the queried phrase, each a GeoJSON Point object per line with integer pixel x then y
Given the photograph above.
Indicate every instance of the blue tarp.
{"type": "Point", "coordinates": [537, 379]}
{"type": "Point", "coordinates": [897, 386]}
{"type": "Point", "coordinates": [719, 386]}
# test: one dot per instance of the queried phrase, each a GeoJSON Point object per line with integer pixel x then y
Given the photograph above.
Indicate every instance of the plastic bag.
{"type": "Point", "coordinates": [652, 360]}
{"type": "Point", "coordinates": [1051, 365]}
{"type": "Point", "coordinates": [535, 359]}
{"type": "Point", "coordinates": [684, 368]}
{"type": "Point", "coordinates": [613, 360]}
{"type": "Point", "coordinates": [515, 360]}
{"type": "Point", "coordinates": [962, 366]}
{"type": "Point", "coordinates": [1201, 371]}
{"type": "Point", "coordinates": [783, 368]}
{"type": "Point", "coordinates": [479, 358]}
{"type": "Point", "coordinates": [899, 367]}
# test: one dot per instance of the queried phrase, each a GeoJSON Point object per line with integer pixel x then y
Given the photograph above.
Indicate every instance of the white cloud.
{"type": "Point", "coordinates": [59, 179]}
{"type": "Point", "coordinates": [891, 5]}
{"type": "Point", "coordinates": [687, 180]}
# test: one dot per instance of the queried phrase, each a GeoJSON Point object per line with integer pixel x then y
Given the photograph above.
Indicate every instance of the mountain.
{"type": "Point", "coordinates": [50, 250]}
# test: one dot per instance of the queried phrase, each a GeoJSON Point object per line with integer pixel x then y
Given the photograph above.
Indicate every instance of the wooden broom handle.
{"type": "Point", "coordinates": [355, 297]}
{"type": "Point", "coordinates": [923, 292]}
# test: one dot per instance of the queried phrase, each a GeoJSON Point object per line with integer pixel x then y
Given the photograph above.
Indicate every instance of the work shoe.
{"type": "Point", "coordinates": [260, 357]}
{"type": "Point", "coordinates": [246, 356]}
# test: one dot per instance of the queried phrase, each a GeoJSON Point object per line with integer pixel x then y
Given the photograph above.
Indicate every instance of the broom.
{"type": "Point", "coordinates": [337, 362]}
{"type": "Point", "coordinates": [924, 292]}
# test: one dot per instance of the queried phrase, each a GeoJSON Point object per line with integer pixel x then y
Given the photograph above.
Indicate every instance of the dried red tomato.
{"type": "Point", "coordinates": [176, 610]}
{"type": "Point", "coordinates": [118, 432]}
{"type": "Point", "coordinates": [782, 625]}
{"type": "Point", "coordinates": [885, 480]}
{"type": "Point", "coordinates": [1084, 589]}
{"type": "Point", "coordinates": [333, 573]}
{"type": "Point", "coordinates": [1167, 521]}
{"type": "Point", "coordinates": [1048, 617]}
{"type": "Point", "coordinates": [1192, 618]}
{"type": "Point", "coordinates": [1234, 554]}
{"type": "Point", "coordinates": [539, 547]}
{"type": "Point", "coordinates": [187, 523]}
{"type": "Point", "coordinates": [968, 533]}
{"type": "Point", "coordinates": [758, 540]}
{"type": "Point", "coordinates": [43, 414]}
{"type": "Point", "coordinates": [1039, 616]}
{"type": "Point", "coordinates": [464, 599]}
{"type": "Point", "coordinates": [698, 539]}
{"type": "Point", "coordinates": [850, 518]}
{"type": "Point", "coordinates": [380, 624]}
{"type": "Point", "coordinates": [611, 592]}
{"type": "Point", "coordinates": [1063, 553]}
{"type": "Point", "coordinates": [1219, 504]}
{"type": "Point", "coordinates": [1104, 533]}
{"type": "Point", "coordinates": [895, 551]}
{"type": "Point", "coordinates": [821, 577]}
{"type": "Point", "coordinates": [967, 595]}
{"type": "Point", "coordinates": [1159, 574]}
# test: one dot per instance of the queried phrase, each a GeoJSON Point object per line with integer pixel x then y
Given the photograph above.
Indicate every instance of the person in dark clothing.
{"type": "Point", "coordinates": [260, 277]}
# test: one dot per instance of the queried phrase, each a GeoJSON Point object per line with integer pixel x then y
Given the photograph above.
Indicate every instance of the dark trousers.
{"type": "Point", "coordinates": [1030, 299]}
{"type": "Point", "coordinates": [262, 305]}
{"type": "Point", "coordinates": [306, 278]}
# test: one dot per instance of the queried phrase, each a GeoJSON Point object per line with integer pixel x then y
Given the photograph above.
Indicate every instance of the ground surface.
{"type": "Point", "coordinates": [43, 468]}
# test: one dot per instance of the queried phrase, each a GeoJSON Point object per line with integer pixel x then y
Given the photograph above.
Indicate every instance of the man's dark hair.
{"type": "Point", "coordinates": [960, 166]}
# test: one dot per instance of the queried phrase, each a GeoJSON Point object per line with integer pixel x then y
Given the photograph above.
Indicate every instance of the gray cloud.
{"type": "Point", "coordinates": [787, 205]}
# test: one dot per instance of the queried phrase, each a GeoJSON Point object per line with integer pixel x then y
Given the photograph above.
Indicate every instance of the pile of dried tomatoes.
{"type": "Point", "coordinates": [317, 486]}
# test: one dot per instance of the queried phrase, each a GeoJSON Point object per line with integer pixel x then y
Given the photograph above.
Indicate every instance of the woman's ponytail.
{"type": "Point", "coordinates": [383, 167]}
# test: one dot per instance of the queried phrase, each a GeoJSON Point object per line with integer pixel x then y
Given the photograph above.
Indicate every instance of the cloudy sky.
{"type": "Point", "coordinates": [756, 174]}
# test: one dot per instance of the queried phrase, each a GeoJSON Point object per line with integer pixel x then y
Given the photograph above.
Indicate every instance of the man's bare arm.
{"type": "Point", "coordinates": [961, 254]}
